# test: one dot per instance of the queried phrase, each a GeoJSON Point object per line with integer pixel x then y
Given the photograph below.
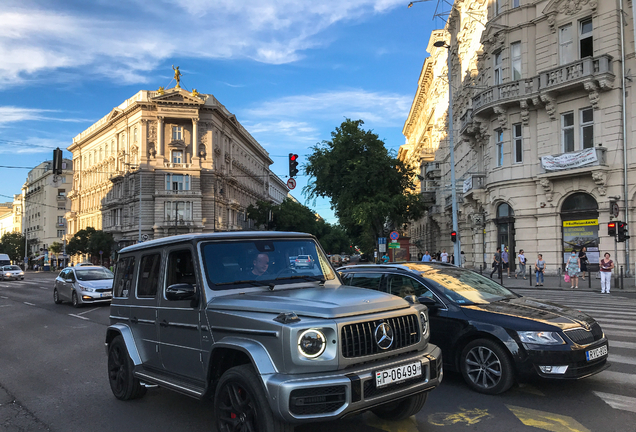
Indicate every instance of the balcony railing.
{"type": "Point", "coordinates": [474, 181]}
{"type": "Point", "coordinates": [176, 165]}
{"type": "Point", "coordinates": [506, 92]}
{"type": "Point", "coordinates": [428, 196]}
{"type": "Point", "coordinates": [574, 160]}
{"type": "Point", "coordinates": [448, 201]}
{"type": "Point", "coordinates": [176, 192]}
{"type": "Point", "coordinates": [433, 170]}
{"type": "Point", "coordinates": [571, 74]}
{"type": "Point", "coordinates": [60, 198]}
{"type": "Point", "coordinates": [466, 120]}
{"type": "Point", "coordinates": [435, 209]}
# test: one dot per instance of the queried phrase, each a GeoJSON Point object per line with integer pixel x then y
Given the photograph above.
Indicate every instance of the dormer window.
{"type": "Point", "coordinates": [177, 133]}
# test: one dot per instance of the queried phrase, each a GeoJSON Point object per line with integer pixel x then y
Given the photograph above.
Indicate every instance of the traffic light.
{"type": "Point", "coordinates": [611, 229]}
{"type": "Point", "coordinates": [293, 164]}
{"type": "Point", "coordinates": [453, 236]}
{"type": "Point", "coordinates": [57, 161]}
{"type": "Point", "coordinates": [623, 232]}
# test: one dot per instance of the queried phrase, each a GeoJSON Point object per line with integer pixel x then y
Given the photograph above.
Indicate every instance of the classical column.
{"type": "Point", "coordinates": [195, 139]}
{"type": "Point", "coordinates": [160, 145]}
{"type": "Point", "coordinates": [143, 142]}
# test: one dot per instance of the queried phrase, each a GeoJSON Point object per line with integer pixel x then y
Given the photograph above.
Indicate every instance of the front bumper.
{"type": "Point", "coordinates": [94, 297]}
{"type": "Point", "coordinates": [572, 356]}
{"type": "Point", "coordinates": [302, 398]}
{"type": "Point", "coordinates": [13, 277]}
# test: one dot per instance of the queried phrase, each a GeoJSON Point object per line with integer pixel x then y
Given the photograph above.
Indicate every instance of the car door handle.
{"type": "Point", "coordinates": [134, 320]}
{"type": "Point", "coordinates": [164, 323]}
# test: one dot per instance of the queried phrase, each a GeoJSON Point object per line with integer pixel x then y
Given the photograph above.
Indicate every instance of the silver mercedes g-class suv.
{"type": "Point", "coordinates": [225, 315]}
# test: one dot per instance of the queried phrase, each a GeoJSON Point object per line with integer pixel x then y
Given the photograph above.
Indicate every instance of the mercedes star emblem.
{"type": "Point", "coordinates": [384, 336]}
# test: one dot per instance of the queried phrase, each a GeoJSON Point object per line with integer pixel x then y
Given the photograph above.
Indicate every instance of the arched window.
{"type": "Point", "coordinates": [579, 202]}
{"type": "Point", "coordinates": [504, 211]}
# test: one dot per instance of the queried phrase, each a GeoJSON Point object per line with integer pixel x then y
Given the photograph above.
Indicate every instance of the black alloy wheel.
{"type": "Point", "coordinates": [401, 409]}
{"type": "Point", "coordinates": [56, 296]}
{"type": "Point", "coordinates": [120, 376]}
{"type": "Point", "coordinates": [486, 367]}
{"type": "Point", "coordinates": [240, 404]}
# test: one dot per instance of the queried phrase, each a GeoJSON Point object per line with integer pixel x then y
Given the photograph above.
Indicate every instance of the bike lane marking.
{"type": "Point", "coordinates": [546, 420]}
{"type": "Point", "coordinates": [467, 417]}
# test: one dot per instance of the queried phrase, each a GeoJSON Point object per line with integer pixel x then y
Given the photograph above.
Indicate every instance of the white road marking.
{"type": "Point", "coordinates": [616, 358]}
{"type": "Point", "coordinates": [3, 297]}
{"type": "Point", "coordinates": [624, 403]}
{"type": "Point", "coordinates": [44, 288]}
{"type": "Point", "coordinates": [619, 327]}
{"type": "Point", "coordinates": [80, 317]}
{"type": "Point", "coordinates": [5, 305]}
{"type": "Point", "coordinates": [87, 311]}
{"type": "Point", "coordinates": [30, 304]}
{"type": "Point", "coordinates": [612, 377]}
{"type": "Point", "coordinates": [618, 333]}
{"type": "Point", "coordinates": [622, 344]}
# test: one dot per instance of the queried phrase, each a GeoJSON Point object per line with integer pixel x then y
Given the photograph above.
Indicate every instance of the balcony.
{"type": "Point", "coordinates": [474, 181]}
{"type": "Point", "coordinates": [571, 163]}
{"type": "Point", "coordinates": [435, 209]}
{"type": "Point", "coordinates": [60, 224]}
{"type": "Point", "coordinates": [505, 94]}
{"type": "Point", "coordinates": [177, 192]}
{"type": "Point", "coordinates": [60, 198]}
{"type": "Point", "coordinates": [573, 75]}
{"type": "Point", "coordinates": [428, 196]}
{"type": "Point", "coordinates": [433, 170]}
{"type": "Point", "coordinates": [448, 201]}
{"type": "Point", "coordinates": [176, 165]}
{"type": "Point", "coordinates": [466, 120]}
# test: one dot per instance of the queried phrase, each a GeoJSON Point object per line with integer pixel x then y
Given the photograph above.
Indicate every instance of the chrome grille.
{"type": "Point", "coordinates": [583, 337]}
{"type": "Point", "coordinates": [358, 339]}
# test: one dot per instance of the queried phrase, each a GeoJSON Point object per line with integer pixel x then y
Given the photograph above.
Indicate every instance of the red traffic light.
{"type": "Point", "coordinates": [611, 229]}
{"type": "Point", "coordinates": [454, 236]}
{"type": "Point", "coordinates": [293, 157]}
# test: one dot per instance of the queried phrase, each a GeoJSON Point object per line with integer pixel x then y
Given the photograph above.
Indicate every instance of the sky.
{"type": "Point", "coordinates": [291, 71]}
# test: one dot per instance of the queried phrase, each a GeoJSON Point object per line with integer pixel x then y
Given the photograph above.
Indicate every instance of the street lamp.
{"type": "Point", "coordinates": [451, 145]}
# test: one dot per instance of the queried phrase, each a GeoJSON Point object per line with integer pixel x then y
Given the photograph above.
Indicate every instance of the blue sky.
{"type": "Point", "coordinates": [291, 71]}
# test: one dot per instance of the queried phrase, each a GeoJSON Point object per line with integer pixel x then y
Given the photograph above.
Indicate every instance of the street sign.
{"type": "Point", "coordinates": [381, 240]}
{"type": "Point", "coordinates": [394, 235]}
{"type": "Point", "coordinates": [394, 245]}
{"type": "Point", "coordinates": [382, 247]}
{"type": "Point", "coordinates": [291, 183]}
{"type": "Point", "coordinates": [614, 209]}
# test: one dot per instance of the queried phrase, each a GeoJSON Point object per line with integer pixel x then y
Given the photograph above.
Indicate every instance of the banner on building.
{"type": "Point", "coordinates": [569, 160]}
{"type": "Point", "coordinates": [579, 233]}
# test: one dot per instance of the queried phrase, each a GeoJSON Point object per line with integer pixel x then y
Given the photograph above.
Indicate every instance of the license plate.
{"type": "Point", "coordinates": [596, 353]}
{"type": "Point", "coordinates": [106, 294]}
{"type": "Point", "coordinates": [398, 373]}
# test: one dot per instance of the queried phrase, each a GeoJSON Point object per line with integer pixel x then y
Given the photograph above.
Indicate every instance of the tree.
{"type": "Point", "coordinates": [79, 243]}
{"type": "Point", "coordinates": [55, 248]}
{"type": "Point", "coordinates": [13, 245]}
{"type": "Point", "coordinates": [90, 241]}
{"type": "Point", "coordinates": [369, 187]}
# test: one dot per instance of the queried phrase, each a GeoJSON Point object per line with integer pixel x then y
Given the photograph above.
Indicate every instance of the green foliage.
{"type": "Point", "coordinates": [90, 241]}
{"type": "Point", "coordinates": [368, 186]}
{"type": "Point", "coordinates": [55, 248]}
{"type": "Point", "coordinates": [12, 244]}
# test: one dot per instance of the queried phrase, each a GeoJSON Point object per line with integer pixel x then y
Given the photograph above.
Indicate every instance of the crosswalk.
{"type": "Point", "coordinates": [617, 316]}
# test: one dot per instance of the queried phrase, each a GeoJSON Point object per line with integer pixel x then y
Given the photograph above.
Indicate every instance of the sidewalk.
{"type": "Point", "coordinates": [556, 282]}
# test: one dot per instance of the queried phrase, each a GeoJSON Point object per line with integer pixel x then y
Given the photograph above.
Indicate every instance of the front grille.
{"type": "Point", "coordinates": [317, 400]}
{"type": "Point", "coordinates": [358, 340]}
{"type": "Point", "coordinates": [584, 337]}
{"type": "Point", "coordinates": [103, 289]}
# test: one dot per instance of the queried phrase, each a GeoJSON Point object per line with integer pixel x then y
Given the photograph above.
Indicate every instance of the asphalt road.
{"type": "Point", "coordinates": [53, 378]}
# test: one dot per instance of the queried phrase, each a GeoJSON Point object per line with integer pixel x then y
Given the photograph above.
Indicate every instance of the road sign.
{"type": "Point", "coordinates": [382, 247]}
{"type": "Point", "coordinates": [394, 235]}
{"type": "Point", "coordinates": [614, 209]}
{"type": "Point", "coordinates": [381, 240]}
{"type": "Point", "coordinates": [394, 245]}
{"type": "Point", "coordinates": [291, 183]}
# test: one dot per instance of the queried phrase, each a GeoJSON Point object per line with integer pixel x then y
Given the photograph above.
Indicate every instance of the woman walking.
{"type": "Point", "coordinates": [583, 260]}
{"type": "Point", "coordinates": [573, 267]}
{"type": "Point", "coordinates": [606, 273]}
{"type": "Point", "coordinates": [522, 265]}
{"type": "Point", "coordinates": [539, 268]}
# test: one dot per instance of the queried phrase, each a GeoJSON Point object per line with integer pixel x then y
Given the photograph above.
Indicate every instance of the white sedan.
{"type": "Point", "coordinates": [12, 272]}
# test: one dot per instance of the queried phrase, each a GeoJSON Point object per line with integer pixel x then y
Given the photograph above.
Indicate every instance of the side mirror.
{"type": "Point", "coordinates": [182, 291]}
{"type": "Point", "coordinates": [411, 299]}
{"type": "Point", "coordinates": [430, 303]}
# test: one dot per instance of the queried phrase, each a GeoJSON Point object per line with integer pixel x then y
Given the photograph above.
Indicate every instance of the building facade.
{"type": "Point", "coordinates": [11, 216]}
{"type": "Point", "coordinates": [167, 162]}
{"type": "Point", "coordinates": [44, 204]}
{"type": "Point", "coordinates": [543, 135]}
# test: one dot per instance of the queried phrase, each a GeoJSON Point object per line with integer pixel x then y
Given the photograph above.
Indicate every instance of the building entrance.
{"type": "Point", "coordinates": [579, 216]}
{"type": "Point", "coordinates": [506, 232]}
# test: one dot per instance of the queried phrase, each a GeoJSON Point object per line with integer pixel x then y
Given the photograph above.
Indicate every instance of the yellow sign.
{"type": "Point", "coordinates": [577, 223]}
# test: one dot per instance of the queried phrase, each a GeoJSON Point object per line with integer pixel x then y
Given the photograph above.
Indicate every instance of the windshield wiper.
{"type": "Point", "coordinates": [320, 279]}
{"type": "Point", "coordinates": [248, 282]}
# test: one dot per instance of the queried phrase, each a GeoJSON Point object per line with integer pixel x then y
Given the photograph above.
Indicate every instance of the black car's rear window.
{"type": "Point", "coordinates": [465, 286]}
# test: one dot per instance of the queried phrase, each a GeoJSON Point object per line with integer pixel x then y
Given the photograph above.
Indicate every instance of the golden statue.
{"type": "Point", "coordinates": [177, 76]}
{"type": "Point", "coordinates": [195, 92]}
{"type": "Point", "coordinates": [160, 91]}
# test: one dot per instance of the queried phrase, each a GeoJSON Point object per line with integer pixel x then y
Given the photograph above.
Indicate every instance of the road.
{"type": "Point", "coordinates": [53, 378]}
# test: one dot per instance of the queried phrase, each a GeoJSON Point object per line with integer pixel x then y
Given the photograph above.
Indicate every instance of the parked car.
{"type": "Point", "coordinates": [83, 285]}
{"type": "Point", "coordinates": [336, 260]}
{"type": "Point", "coordinates": [304, 261]}
{"type": "Point", "coordinates": [346, 259]}
{"type": "Point", "coordinates": [84, 264]}
{"type": "Point", "coordinates": [488, 333]}
{"type": "Point", "coordinates": [10, 272]}
{"type": "Point", "coordinates": [272, 345]}
{"type": "Point", "coordinates": [4, 260]}
{"type": "Point", "coordinates": [292, 261]}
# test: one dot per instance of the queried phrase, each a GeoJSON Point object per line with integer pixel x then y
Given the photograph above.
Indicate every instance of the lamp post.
{"type": "Point", "coordinates": [451, 145]}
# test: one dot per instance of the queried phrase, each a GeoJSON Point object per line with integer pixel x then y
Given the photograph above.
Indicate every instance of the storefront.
{"type": "Point", "coordinates": [506, 232]}
{"type": "Point", "coordinates": [579, 216]}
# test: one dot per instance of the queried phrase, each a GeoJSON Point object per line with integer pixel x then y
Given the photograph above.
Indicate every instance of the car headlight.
{"type": "Point", "coordinates": [7, 274]}
{"type": "Point", "coordinates": [21, 273]}
{"type": "Point", "coordinates": [312, 343]}
{"type": "Point", "coordinates": [540, 337]}
{"type": "Point", "coordinates": [85, 288]}
{"type": "Point", "coordinates": [424, 322]}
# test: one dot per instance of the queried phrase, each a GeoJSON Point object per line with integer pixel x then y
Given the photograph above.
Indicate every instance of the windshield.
{"type": "Point", "coordinates": [93, 274]}
{"type": "Point", "coordinates": [230, 264]}
{"type": "Point", "coordinates": [12, 267]}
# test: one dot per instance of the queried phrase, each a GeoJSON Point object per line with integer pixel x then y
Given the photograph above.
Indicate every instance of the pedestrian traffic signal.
{"type": "Point", "coordinates": [293, 164]}
{"type": "Point", "coordinates": [611, 229]}
{"type": "Point", "coordinates": [453, 236]}
{"type": "Point", "coordinates": [623, 232]}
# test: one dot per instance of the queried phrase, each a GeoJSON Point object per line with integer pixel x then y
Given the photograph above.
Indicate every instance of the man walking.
{"type": "Point", "coordinates": [426, 257]}
{"type": "Point", "coordinates": [444, 256]}
{"type": "Point", "coordinates": [522, 265]}
{"type": "Point", "coordinates": [496, 264]}
{"type": "Point", "coordinates": [505, 262]}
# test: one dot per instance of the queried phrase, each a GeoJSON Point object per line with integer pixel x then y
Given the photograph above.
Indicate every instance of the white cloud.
{"type": "Point", "coordinates": [13, 114]}
{"type": "Point", "coordinates": [32, 145]}
{"type": "Point", "coordinates": [94, 41]}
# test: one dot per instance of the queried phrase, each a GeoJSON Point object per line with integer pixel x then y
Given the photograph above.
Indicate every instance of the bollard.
{"type": "Point", "coordinates": [559, 275]}
{"type": "Point", "coordinates": [481, 270]}
{"type": "Point", "coordinates": [589, 279]}
{"type": "Point", "coordinates": [621, 277]}
{"type": "Point", "coordinates": [530, 274]}
{"type": "Point", "coordinates": [500, 269]}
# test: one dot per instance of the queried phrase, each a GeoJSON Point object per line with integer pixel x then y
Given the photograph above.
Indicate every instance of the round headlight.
{"type": "Point", "coordinates": [424, 321]}
{"type": "Point", "coordinates": [311, 343]}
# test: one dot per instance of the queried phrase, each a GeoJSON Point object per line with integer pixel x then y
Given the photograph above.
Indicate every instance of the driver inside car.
{"type": "Point", "coordinates": [261, 264]}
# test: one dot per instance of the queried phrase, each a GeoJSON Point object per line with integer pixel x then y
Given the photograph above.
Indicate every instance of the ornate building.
{"type": "Point", "coordinates": [166, 162]}
{"type": "Point", "coordinates": [540, 127]}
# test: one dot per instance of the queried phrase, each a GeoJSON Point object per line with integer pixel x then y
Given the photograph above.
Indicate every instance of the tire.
{"type": "Point", "coordinates": [120, 372]}
{"type": "Point", "coordinates": [56, 296]}
{"type": "Point", "coordinates": [486, 367]}
{"type": "Point", "coordinates": [240, 403]}
{"type": "Point", "coordinates": [401, 409]}
{"type": "Point", "coordinates": [75, 300]}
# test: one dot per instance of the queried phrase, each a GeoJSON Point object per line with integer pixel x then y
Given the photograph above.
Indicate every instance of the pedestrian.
{"type": "Point", "coordinates": [463, 260]}
{"type": "Point", "coordinates": [496, 264]}
{"type": "Point", "coordinates": [606, 273]}
{"type": "Point", "coordinates": [385, 258]}
{"type": "Point", "coordinates": [444, 256]}
{"type": "Point", "coordinates": [573, 267]}
{"type": "Point", "coordinates": [522, 265]}
{"type": "Point", "coordinates": [539, 269]}
{"type": "Point", "coordinates": [504, 259]}
{"type": "Point", "coordinates": [426, 257]}
{"type": "Point", "coordinates": [583, 259]}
